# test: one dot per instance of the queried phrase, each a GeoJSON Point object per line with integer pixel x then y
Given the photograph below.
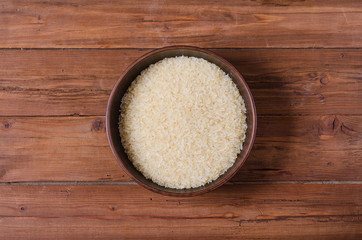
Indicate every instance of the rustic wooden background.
{"type": "Point", "coordinates": [60, 59]}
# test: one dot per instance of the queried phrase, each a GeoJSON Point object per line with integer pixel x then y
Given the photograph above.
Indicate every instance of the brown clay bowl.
{"type": "Point", "coordinates": [113, 111]}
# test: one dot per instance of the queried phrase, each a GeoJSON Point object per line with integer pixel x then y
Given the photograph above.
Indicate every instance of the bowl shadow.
{"type": "Point", "coordinates": [268, 158]}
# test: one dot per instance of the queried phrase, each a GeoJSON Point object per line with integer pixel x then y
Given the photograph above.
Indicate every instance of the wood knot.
{"type": "Point", "coordinates": [328, 127]}
{"type": "Point", "coordinates": [348, 130]}
{"type": "Point", "coordinates": [67, 191]}
{"type": "Point", "coordinates": [335, 123]}
{"type": "Point", "coordinates": [9, 124]}
{"type": "Point", "coordinates": [313, 75]}
{"type": "Point", "coordinates": [324, 79]}
{"type": "Point", "coordinates": [98, 125]}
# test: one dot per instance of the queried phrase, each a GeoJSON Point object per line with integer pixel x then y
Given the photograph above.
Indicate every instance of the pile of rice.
{"type": "Point", "coordinates": [182, 122]}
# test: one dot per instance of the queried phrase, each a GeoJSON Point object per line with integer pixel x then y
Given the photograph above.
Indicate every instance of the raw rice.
{"type": "Point", "coordinates": [182, 122]}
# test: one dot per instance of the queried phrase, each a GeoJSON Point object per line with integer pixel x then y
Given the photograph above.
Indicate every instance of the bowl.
{"type": "Point", "coordinates": [120, 88]}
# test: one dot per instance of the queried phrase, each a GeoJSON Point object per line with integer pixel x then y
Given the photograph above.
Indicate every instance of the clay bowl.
{"type": "Point", "coordinates": [113, 110]}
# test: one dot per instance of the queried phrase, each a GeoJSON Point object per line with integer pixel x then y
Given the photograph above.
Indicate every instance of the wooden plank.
{"type": "Point", "coordinates": [149, 24]}
{"type": "Point", "coordinates": [67, 149]}
{"type": "Point", "coordinates": [283, 81]}
{"type": "Point", "coordinates": [239, 211]}
{"type": "Point", "coordinates": [76, 149]}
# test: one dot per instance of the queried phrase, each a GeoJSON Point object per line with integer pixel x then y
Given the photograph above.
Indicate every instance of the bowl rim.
{"type": "Point", "coordinates": [235, 169]}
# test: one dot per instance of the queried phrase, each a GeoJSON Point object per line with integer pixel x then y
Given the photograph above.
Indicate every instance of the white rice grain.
{"type": "Point", "coordinates": [182, 122]}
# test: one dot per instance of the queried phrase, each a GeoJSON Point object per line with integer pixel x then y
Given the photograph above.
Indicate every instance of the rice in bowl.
{"type": "Point", "coordinates": [182, 122]}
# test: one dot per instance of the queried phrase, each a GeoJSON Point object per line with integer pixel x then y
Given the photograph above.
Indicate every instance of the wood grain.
{"type": "Point", "coordinates": [60, 59]}
{"type": "Point", "coordinates": [76, 149]}
{"type": "Point", "coordinates": [249, 211]}
{"type": "Point", "coordinates": [150, 24]}
{"type": "Point", "coordinates": [283, 81]}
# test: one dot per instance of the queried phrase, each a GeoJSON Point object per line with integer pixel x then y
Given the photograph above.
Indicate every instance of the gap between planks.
{"type": "Point", "coordinates": [213, 48]}
{"type": "Point", "coordinates": [94, 183]}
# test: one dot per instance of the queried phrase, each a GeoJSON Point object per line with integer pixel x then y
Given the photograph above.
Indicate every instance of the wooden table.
{"type": "Point", "coordinates": [60, 59]}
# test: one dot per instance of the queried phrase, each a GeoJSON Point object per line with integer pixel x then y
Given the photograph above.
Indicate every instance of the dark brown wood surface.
{"type": "Point", "coordinates": [78, 82]}
{"type": "Point", "coordinates": [60, 59]}
{"type": "Point", "coordinates": [284, 211]}
{"type": "Point", "coordinates": [150, 24]}
{"type": "Point", "coordinates": [310, 148]}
